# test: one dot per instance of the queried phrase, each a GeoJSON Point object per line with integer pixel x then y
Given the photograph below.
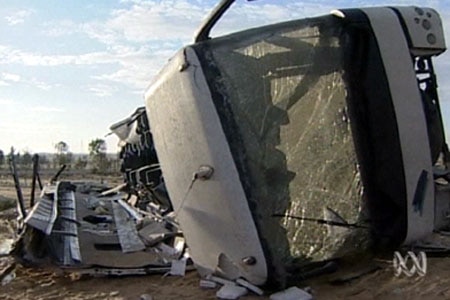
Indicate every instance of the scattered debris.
{"type": "Point", "coordinates": [8, 274]}
{"type": "Point", "coordinates": [92, 228]}
{"type": "Point", "coordinates": [114, 293]}
{"type": "Point", "coordinates": [146, 297]}
{"type": "Point", "coordinates": [231, 291]}
{"type": "Point", "coordinates": [6, 246]}
{"type": "Point", "coordinates": [8, 278]}
{"type": "Point", "coordinates": [207, 284]}
{"type": "Point", "coordinates": [219, 280]}
{"type": "Point", "coordinates": [78, 228]}
{"type": "Point", "coordinates": [292, 293]}
{"type": "Point", "coordinates": [178, 267]}
{"type": "Point", "coordinates": [250, 286]}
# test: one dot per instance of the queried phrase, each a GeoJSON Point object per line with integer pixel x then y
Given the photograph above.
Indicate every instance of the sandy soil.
{"type": "Point", "coordinates": [40, 284]}
{"type": "Point", "coordinates": [53, 284]}
{"type": "Point", "coordinates": [45, 284]}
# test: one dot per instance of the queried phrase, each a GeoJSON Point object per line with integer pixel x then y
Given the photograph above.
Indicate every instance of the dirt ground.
{"type": "Point", "coordinates": [45, 284]}
{"type": "Point", "coordinates": [53, 284]}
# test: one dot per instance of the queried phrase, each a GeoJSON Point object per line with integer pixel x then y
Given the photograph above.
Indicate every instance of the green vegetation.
{"type": "Point", "coordinates": [97, 155]}
{"type": "Point", "coordinates": [63, 156]}
{"type": "Point", "coordinates": [98, 161]}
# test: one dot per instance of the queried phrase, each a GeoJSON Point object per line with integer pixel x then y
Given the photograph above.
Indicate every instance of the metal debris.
{"type": "Point", "coordinates": [8, 274]}
{"type": "Point", "coordinates": [146, 297]}
{"type": "Point", "coordinates": [43, 215]}
{"type": "Point", "coordinates": [6, 246]}
{"type": "Point", "coordinates": [292, 293]}
{"type": "Point", "coordinates": [231, 291]}
{"type": "Point", "coordinates": [250, 286]}
{"type": "Point", "coordinates": [178, 267]}
{"type": "Point", "coordinates": [97, 234]}
{"type": "Point", "coordinates": [220, 280]}
{"type": "Point", "coordinates": [92, 228]}
{"type": "Point", "coordinates": [126, 229]}
{"type": "Point", "coordinates": [207, 284]}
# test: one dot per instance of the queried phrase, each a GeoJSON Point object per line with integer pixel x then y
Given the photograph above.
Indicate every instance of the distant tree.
{"type": "Point", "coordinates": [97, 156]}
{"type": "Point", "coordinates": [97, 146]}
{"type": "Point", "coordinates": [10, 154]}
{"type": "Point", "coordinates": [61, 147]}
{"type": "Point", "coordinates": [2, 158]}
{"type": "Point", "coordinates": [62, 156]}
{"type": "Point", "coordinates": [44, 162]}
{"type": "Point", "coordinates": [13, 155]}
{"type": "Point", "coordinates": [81, 163]}
{"type": "Point", "coordinates": [26, 159]}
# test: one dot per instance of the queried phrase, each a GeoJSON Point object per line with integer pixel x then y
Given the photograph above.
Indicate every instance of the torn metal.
{"type": "Point", "coordinates": [140, 164]}
{"type": "Point", "coordinates": [95, 229]}
{"type": "Point", "coordinates": [73, 227]}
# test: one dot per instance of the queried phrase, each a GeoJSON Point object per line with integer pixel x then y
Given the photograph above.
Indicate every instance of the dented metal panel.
{"type": "Point", "coordinates": [67, 209]}
{"type": "Point", "coordinates": [214, 213]}
{"type": "Point", "coordinates": [43, 214]}
{"type": "Point", "coordinates": [126, 229]}
{"type": "Point", "coordinates": [96, 233]}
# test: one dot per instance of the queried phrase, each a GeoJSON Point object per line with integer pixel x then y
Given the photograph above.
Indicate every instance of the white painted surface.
{"type": "Point", "coordinates": [410, 116]}
{"type": "Point", "coordinates": [215, 216]}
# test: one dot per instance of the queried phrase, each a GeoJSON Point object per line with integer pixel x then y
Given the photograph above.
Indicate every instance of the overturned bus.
{"type": "Point", "coordinates": [301, 142]}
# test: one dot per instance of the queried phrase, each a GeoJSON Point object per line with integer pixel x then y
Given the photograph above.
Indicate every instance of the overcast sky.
{"type": "Point", "coordinates": [69, 69]}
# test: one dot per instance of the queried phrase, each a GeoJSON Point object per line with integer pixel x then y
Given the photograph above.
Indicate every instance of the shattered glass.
{"type": "Point", "coordinates": [285, 86]}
